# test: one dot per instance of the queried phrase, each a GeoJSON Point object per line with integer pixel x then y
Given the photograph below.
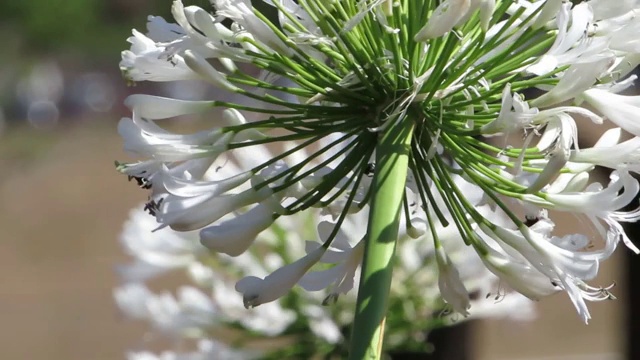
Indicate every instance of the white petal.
{"type": "Point", "coordinates": [443, 19]}
{"type": "Point", "coordinates": [184, 214]}
{"type": "Point", "coordinates": [200, 65]}
{"type": "Point", "coordinates": [451, 287]}
{"type": "Point", "coordinates": [233, 237]}
{"type": "Point", "coordinates": [621, 110]}
{"type": "Point", "coordinates": [256, 291]}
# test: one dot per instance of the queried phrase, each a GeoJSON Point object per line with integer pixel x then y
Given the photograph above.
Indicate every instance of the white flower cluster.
{"type": "Point", "coordinates": [336, 75]}
{"type": "Point", "coordinates": [209, 313]}
{"type": "Point", "coordinates": [209, 310]}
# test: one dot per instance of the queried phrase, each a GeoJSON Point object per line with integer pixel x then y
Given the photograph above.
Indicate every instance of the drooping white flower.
{"type": "Point", "coordinates": [451, 287]}
{"type": "Point", "coordinates": [234, 236]}
{"type": "Point", "coordinates": [256, 291]}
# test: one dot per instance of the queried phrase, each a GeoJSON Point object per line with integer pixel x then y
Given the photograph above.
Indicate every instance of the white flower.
{"type": "Point", "coordinates": [256, 291]}
{"type": "Point", "coordinates": [578, 78]}
{"type": "Point", "coordinates": [346, 251]}
{"type": "Point", "coordinates": [444, 18]}
{"type": "Point", "coordinates": [155, 252]}
{"type": "Point", "coordinates": [572, 43]}
{"type": "Point", "coordinates": [610, 153]}
{"type": "Point", "coordinates": [191, 310]}
{"type": "Point", "coordinates": [234, 236]}
{"type": "Point", "coordinates": [270, 319]}
{"type": "Point", "coordinates": [241, 11]}
{"type": "Point", "coordinates": [207, 350]}
{"type": "Point", "coordinates": [451, 287]}
{"type": "Point", "coordinates": [619, 109]}
{"type": "Point", "coordinates": [514, 115]}
{"type": "Point", "coordinates": [146, 61]}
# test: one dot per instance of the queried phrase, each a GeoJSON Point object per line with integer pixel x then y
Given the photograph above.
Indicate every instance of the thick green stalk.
{"type": "Point", "coordinates": [392, 154]}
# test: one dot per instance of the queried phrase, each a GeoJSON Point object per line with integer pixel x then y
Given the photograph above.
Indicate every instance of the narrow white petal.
{"type": "Point", "coordinates": [256, 291]}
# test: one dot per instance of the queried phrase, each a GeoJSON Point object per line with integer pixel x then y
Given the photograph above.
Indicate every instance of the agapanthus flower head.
{"type": "Point", "coordinates": [326, 83]}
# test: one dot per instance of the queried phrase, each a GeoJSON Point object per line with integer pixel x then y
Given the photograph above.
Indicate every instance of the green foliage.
{"type": "Point", "coordinates": [94, 27]}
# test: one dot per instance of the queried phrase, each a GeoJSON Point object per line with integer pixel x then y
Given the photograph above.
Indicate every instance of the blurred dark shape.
{"type": "Point", "coordinates": [39, 92]}
{"type": "Point", "coordinates": [449, 343]}
{"type": "Point", "coordinates": [43, 114]}
{"type": "Point", "coordinates": [44, 81]}
{"type": "Point", "coordinates": [94, 91]}
{"type": "Point", "coordinates": [3, 121]}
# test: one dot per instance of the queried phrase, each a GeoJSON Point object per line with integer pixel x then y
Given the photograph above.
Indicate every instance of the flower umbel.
{"type": "Point", "coordinates": [413, 88]}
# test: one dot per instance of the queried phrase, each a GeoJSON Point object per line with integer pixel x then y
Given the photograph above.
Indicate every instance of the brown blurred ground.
{"type": "Point", "coordinates": [62, 205]}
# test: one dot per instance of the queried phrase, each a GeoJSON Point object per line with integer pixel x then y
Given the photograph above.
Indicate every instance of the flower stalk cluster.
{"type": "Point", "coordinates": [387, 106]}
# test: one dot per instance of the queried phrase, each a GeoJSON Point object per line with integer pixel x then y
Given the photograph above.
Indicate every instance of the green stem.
{"type": "Point", "coordinates": [392, 154]}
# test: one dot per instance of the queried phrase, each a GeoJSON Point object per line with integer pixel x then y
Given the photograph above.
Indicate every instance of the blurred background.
{"type": "Point", "coordinates": [62, 204]}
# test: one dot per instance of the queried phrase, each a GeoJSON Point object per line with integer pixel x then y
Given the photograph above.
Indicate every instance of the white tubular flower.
{"type": "Point", "coordinates": [621, 110]}
{"type": "Point", "coordinates": [243, 13]}
{"type": "Point", "coordinates": [233, 237]}
{"type": "Point", "coordinates": [518, 273]}
{"type": "Point", "coordinates": [564, 267]}
{"type": "Point", "coordinates": [451, 287]}
{"type": "Point", "coordinates": [444, 18]}
{"type": "Point", "coordinates": [162, 31]}
{"type": "Point", "coordinates": [599, 204]}
{"type": "Point", "coordinates": [310, 93]}
{"type": "Point", "coordinates": [256, 291]}
{"type": "Point", "coordinates": [192, 213]}
{"type": "Point", "coordinates": [578, 78]}
{"type": "Point", "coordinates": [610, 153]}
{"type": "Point", "coordinates": [345, 252]}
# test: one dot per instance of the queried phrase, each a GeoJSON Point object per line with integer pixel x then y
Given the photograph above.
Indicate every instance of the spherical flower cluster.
{"type": "Point", "coordinates": [335, 87]}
